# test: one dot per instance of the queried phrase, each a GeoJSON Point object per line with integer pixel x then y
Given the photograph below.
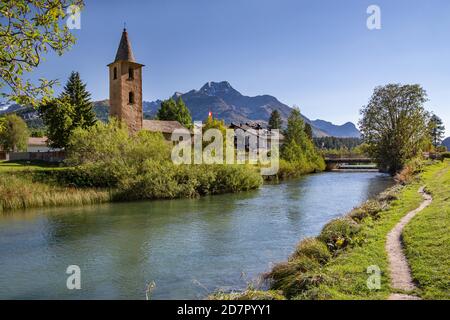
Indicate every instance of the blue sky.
{"type": "Point", "coordinates": [317, 54]}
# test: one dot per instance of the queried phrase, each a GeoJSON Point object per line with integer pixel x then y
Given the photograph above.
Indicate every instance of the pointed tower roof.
{"type": "Point", "coordinates": [125, 52]}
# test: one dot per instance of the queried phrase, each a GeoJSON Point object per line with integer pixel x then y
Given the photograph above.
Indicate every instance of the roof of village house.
{"type": "Point", "coordinates": [33, 141]}
{"type": "Point", "coordinates": [256, 129]}
{"type": "Point", "coordinates": [161, 126]}
{"type": "Point", "coordinates": [125, 52]}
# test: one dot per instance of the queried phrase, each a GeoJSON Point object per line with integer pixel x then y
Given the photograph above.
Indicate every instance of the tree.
{"type": "Point", "coordinates": [175, 111]}
{"type": "Point", "coordinates": [212, 123]}
{"type": "Point", "coordinates": [112, 145]}
{"type": "Point", "coordinates": [308, 131]}
{"type": "Point", "coordinates": [394, 124]}
{"type": "Point", "coordinates": [76, 93]}
{"type": "Point", "coordinates": [29, 29]}
{"type": "Point", "coordinates": [58, 115]}
{"type": "Point", "coordinates": [275, 121]}
{"type": "Point", "coordinates": [14, 135]}
{"type": "Point", "coordinates": [437, 130]}
{"type": "Point", "coordinates": [298, 148]}
{"type": "Point", "coordinates": [72, 110]}
{"type": "Point", "coordinates": [295, 130]}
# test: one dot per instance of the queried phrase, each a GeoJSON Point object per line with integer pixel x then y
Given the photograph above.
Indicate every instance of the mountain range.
{"type": "Point", "coordinates": [228, 104]}
{"type": "Point", "coordinates": [224, 102]}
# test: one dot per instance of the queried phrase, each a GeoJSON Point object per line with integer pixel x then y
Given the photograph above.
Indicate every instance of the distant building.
{"type": "Point", "coordinates": [165, 127]}
{"type": "Point", "coordinates": [38, 145]}
{"type": "Point", "coordinates": [125, 92]}
{"type": "Point", "coordinates": [256, 130]}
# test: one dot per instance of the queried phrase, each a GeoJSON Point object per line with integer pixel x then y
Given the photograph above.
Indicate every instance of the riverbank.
{"type": "Point", "coordinates": [33, 185]}
{"type": "Point", "coordinates": [339, 262]}
{"type": "Point", "coordinates": [24, 186]}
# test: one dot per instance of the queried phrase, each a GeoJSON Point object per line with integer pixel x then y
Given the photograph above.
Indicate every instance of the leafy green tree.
{"type": "Point", "coordinates": [75, 92]}
{"type": "Point", "coordinates": [175, 111]}
{"type": "Point", "coordinates": [335, 143]}
{"type": "Point", "coordinates": [58, 115]}
{"type": "Point", "coordinates": [295, 130]}
{"type": "Point", "coordinates": [437, 130]}
{"type": "Point", "coordinates": [29, 29]}
{"type": "Point", "coordinates": [275, 121]}
{"type": "Point", "coordinates": [113, 145]}
{"type": "Point", "coordinates": [212, 123]}
{"type": "Point", "coordinates": [2, 124]}
{"type": "Point", "coordinates": [395, 124]}
{"type": "Point", "coordinates": [298, 148]}
{"type": "Point", "coordinates": [14, 133]}
{"type": "Point", "coordinates": [38, 133]}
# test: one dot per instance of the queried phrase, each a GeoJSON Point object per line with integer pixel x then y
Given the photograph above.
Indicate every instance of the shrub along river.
{"type": "Point", "coordinates": [189, 248]}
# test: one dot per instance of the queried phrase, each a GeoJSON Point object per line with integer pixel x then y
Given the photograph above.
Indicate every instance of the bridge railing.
{"type": "Point", "coordinates": [345, 156]}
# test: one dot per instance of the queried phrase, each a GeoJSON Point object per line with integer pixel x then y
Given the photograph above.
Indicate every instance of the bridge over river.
{"type": "Point", "coordinates": [350, 162]}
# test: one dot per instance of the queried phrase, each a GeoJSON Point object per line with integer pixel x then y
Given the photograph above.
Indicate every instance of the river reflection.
{"type": "Point", "coordinates": [187, 247]}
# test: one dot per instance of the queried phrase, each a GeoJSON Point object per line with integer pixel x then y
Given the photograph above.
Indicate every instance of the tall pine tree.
{"type": "Point", "coordinates": [71, 110]}
{"type": "Point", "coordinates": [437, 130]}
{"type": "Point", "coordinates": [308, 130]}
{"type": "Point", "coordinates": [76, 94]}
{"type": "Point", "coordinates": [275, 121]}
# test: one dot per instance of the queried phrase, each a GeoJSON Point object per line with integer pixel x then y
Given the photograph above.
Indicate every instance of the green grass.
{"type": "Point", "coordinates": [427, 239]}
{"type": "Point", "coordinates": [354, 250]}
{"type": "Point", "coordinates": [19, 191]}
{"type": "Point", "coordinates": [30, 185]}
{"type": "Point", "coordinates": [348, 271]}
{"type": "Point", "coordinates": [14, 166]}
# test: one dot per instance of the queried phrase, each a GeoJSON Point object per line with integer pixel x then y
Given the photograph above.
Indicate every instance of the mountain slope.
{"type": "Point", "coordinates": [346, 130]}
{"type": "Point", "coordinates": [446, 143]}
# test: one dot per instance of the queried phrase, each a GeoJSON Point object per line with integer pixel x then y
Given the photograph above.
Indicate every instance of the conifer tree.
{"type": "Point", "coordinates": [73, 109]}
{"type": "Point", "coordinates": [309, 131]}
{"type": "Point", "coordinates": [76, 94]}
{"type": "Point", "coordinates": [437, 130]}
{"type": "Point", "coordinates": [275, 121]}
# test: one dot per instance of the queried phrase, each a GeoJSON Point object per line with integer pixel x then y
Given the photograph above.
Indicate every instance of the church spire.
{"type": "Point", "coordinates": [125, 52]}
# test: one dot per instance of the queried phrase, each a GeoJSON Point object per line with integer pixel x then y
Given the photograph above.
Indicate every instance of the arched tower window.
{"type": "Point", "coordinates": [115, 73]}
{"type": "Point", "coordinates": [130, 73]}
{"type": "Point", "coordinates": [131, 97]}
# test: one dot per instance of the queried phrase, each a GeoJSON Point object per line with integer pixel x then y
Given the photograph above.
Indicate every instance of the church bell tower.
{"type": "Point", "coordinates": [125, 86]}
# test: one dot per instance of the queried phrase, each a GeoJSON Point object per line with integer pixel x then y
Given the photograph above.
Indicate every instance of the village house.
{"type": "Point", "coordinates": [38, 144]}
{"type": "Point", "coordinates": [165, 127]}
{"type": "Point", "coordinates": [259, 132]}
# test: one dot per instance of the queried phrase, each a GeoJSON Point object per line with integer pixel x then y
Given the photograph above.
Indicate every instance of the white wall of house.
{"type": "Point", "coordinates": [32, 148]}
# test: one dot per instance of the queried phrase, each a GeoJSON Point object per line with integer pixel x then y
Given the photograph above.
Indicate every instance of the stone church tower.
{"type": "Point", "coordinates": [125, 86]}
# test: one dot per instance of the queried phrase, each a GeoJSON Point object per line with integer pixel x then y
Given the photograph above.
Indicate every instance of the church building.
{"type": "Point", "coordinates": [125, 92]}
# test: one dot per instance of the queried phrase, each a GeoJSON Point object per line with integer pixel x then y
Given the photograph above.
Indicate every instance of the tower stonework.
{"type": "Point", "coordinates": [125, 86]}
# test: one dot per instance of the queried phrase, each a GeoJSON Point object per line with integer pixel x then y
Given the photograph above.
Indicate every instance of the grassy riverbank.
{"type": "Point", "coordinates": [427, 238]}
{"type": "Point", "coordinates": [19, 188]}
{"type": "Point", "coordinates": [30, 186]}
{"type": "Point", "coordinates": [335, 264]}
{"type": "Point", "coordinates": [26, 185]}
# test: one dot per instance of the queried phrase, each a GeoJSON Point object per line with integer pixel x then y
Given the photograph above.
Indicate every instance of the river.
{"type": "Point", "coordinates": [187, 247]}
